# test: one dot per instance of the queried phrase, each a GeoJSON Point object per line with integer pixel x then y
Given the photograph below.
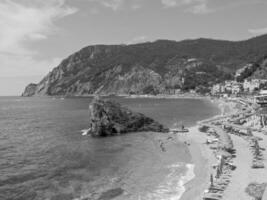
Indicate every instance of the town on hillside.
{"type": "Point", "coordinates": [235, 88]}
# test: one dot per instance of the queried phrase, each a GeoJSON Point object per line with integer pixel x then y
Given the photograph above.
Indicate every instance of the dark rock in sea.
{"type": "Point", "coordinates": [109, 118]}
{"type": "Point", "coordinates": [30, 90]}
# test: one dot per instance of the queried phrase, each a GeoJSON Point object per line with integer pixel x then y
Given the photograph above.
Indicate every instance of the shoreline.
{"type": "Point", "coordinates": [181, 96]}
{"type": "Point", "coordinates": [233, 144]}
{"type": "Point", "coordinates": [162, 96]}
{"type": "Point", "coordinates": [201, 157]}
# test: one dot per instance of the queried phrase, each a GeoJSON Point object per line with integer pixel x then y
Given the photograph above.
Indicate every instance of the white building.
{"type": "Point", "coordinates": [231, 87]}
{"type": "Point", "coordinates": [252, 85]}
{"type": "Point", "coordinates": [217, 88]}
{"type": "Point", "coordinates": [236, 88]}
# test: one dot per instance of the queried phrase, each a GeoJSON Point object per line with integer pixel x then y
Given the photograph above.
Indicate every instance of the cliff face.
{"type": "Point", "coordinates": [30, 90]}
{"type": "Point", "coordinates": [149, 67]}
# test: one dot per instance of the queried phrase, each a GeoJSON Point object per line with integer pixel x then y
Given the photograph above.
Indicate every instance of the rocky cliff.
{"type": "Point", "coordinates": [30, 90]}
{"type": "Point", "coordinates": [154, 67]}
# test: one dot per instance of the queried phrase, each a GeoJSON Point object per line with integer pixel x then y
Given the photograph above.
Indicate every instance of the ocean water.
{"type": "Point", "coordinates": [43, 155]}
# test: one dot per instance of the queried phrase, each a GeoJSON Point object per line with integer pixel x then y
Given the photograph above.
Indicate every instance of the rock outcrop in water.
{"type": "Point", "coordinates": [109, 118]}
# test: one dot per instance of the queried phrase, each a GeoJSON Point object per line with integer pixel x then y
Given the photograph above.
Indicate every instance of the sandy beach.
{"type": "Point", "coordinates": [234, 181]}
{"type": "Point", "coordinates": [202, 158]}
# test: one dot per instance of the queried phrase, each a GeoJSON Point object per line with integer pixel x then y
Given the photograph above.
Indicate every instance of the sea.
{"type": "Point", "coordinates": [43, 155]}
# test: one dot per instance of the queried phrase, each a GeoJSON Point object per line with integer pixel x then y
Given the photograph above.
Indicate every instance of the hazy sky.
{"type": "Point", "coordinates": [35, 35]}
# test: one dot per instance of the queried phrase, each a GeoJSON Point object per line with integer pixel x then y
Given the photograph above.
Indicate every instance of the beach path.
{"type": "Point", "coordinates": [240, 178]}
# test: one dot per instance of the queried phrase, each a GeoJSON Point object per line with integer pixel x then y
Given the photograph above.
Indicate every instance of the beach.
{"type": "Point", "coordinates": [202, 159]}
{"type": "Point", "coordinates": [231, 184]}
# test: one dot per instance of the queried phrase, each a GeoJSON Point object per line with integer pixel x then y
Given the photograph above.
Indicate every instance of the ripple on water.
{"type": "Point", "coordinates": [44, 157]}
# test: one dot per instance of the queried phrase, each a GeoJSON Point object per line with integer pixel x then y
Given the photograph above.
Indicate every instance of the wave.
{"type": "Point", "coordinates": [186, 178]}
{"type": "Point", "coordinates": [173, 187]}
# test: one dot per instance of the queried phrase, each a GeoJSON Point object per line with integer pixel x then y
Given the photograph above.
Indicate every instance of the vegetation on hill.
{"type": "Point", "coordinates": [153, 67]}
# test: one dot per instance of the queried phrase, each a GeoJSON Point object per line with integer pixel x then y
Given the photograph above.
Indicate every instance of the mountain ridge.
{"type": "Point", "coordinates": [150, 67]}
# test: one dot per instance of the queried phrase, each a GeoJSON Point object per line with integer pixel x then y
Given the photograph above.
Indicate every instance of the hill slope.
{"type": "Point", "coordinates": [153, 67]}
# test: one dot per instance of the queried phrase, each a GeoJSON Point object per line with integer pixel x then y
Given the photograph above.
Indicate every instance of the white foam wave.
{"type": "Point", "coordinates": [186, 178]}
{"type": "Point", "coordinates": [174, 186]}
{"type": "Point", "coordinates": [85, 131]}
{"type": "Point", "coordinates": [171, 188]}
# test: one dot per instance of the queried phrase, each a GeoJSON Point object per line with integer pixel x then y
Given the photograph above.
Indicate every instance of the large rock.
{"type": "Point", "coordinates": [110, 118]}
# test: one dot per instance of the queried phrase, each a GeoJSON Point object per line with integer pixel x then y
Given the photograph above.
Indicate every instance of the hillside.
{"type": "Point", "coordinates": [153, 67]}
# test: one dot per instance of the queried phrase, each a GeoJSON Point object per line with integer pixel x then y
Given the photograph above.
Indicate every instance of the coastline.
{"type": "Point", "coordinates": [196, 179]}
{"type": "Point", "coordinates": [202, 160]}
{"type": "Point", "coordinates": [178, 96]}
{"type": "Point", "coordinates": [137, 96]}
{"type": "Point", "coordinates": [241, 145]}
{"type": "Point", "coordinates": [201, 157]}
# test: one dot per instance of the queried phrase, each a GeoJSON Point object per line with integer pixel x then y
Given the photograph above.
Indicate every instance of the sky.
{"type": "Point", "coordinates": [35, 35]}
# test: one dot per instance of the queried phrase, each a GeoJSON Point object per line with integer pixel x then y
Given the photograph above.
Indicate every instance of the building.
{"type": "Point", "coordinates": [236, 88]}
{"type": "Point", "coordinates": [233, 87]}
{"type": "Point", "coordinates": [218, 88]}
{"type": "Point", "coordinates": [261, 99]}
{"type": "Point", "coordinates": [215, 89]}
{"type": "Point", "coordinates": [251, 86]}
{"type": "Point", "coordinates": [229, 87]}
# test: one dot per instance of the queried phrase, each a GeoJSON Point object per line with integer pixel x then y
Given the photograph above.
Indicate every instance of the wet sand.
{"type": "Point", "coordinates": [202, 158]}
